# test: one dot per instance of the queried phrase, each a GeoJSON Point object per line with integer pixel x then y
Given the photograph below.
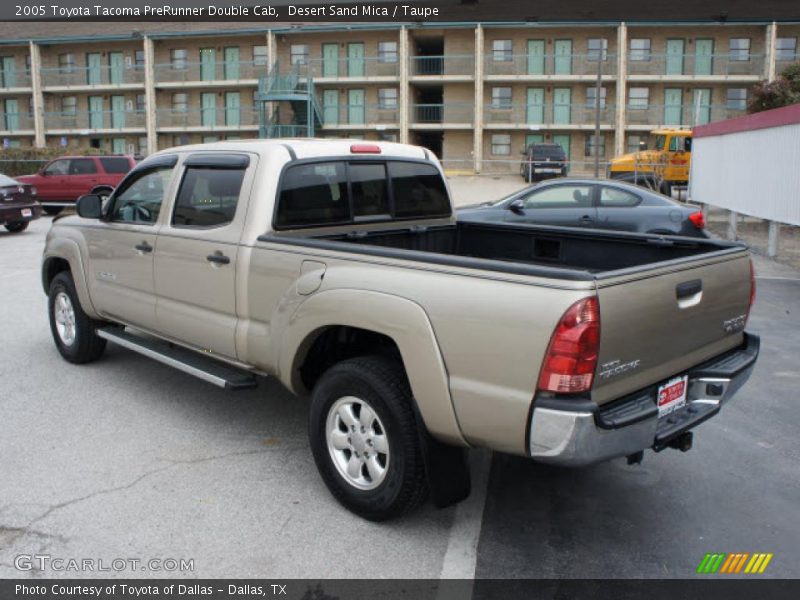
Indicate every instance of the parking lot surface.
{"type": "Point", "coordinates": [126, 458]}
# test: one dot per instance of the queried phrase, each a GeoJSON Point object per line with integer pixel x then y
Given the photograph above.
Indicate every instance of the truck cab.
{"type": "Point", "coordinates": [663, 167]}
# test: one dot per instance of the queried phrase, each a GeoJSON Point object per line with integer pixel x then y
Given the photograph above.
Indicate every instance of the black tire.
{"type": "Point", "coordinates": [53, 210]}
{"type": "Point", "coordinates": [87, 346]}
{"type": "Point", "coordinates": [17, 226]}
{"type": "Point", "coordinates": [666, 189]}
{"type": "Point", "coordinates": [382, 384]}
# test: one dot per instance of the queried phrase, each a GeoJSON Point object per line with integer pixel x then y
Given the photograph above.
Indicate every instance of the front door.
{"type": "Point", "coordinates": [94, 68]}
{"type": "Point", "coordinates": [355, 107]}
{"type": "Point", "coordinates": [703, 56]}
{"type": "Point", "coordinates": [117, 112]}
{"type": "Point", "coordinates": [51, 186]}
{"type": "Point", "coordinates": [12, 114]}
{"type": "Point", "coordinates": [535, 57]}
{"type": "Point", "coordinates": [330, 107]}
{"type": "Point", "coordinates": [563, 57]}
{"type": "Point", "coordinates": [231, 62]}
{"type": "Point", "coordinates": [674, 60]}
{"type": "Point", "coordinates": [95, 112]}
{"type": "Point", "coordinates": [8, 72]}
{"type": "Point", "coordinates": [208, 109]}
{"type": "Point", "coordinates": [562, 98]}
{"type": "Point", "coordinates": [565, 205]}
{"type": "Point", "coordinates": [535, 106]}
{"type": "Point", "coordinates": [330, 60]}
{"type": "Point", "coordinates": [232, 109]}
{"type": "Point", "coordinates": [673, 100]}
{"type": "Point", "coordinates": [355, 59]}
{"type": "Point", "coordinates": [701, 106]}
{"type": "Point", "coordinates": [563, 141]}
{"type": "Point", "coordinates": [118, 145]}
{"type": "Point", "coordinates": [116, 67]}
{"type": "Point", "coordinates": [208, 59]}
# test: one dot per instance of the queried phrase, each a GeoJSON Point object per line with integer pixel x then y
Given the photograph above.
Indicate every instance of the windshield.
{"type": "Point", "coordinates": [661, 141]}
{"type": "Point", "coordinates": [5, 180]}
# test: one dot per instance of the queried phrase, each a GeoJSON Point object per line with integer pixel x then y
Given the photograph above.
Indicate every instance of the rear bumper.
{"type": "Point", "coordinates": [572, 432]}
{"type": "Point", "coordinates": [13, 214]}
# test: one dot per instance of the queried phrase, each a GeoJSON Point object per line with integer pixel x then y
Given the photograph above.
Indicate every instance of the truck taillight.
{"type": "Point", "coordinates": [697, 219]}
{"type": "Point", "coordinates": [752, 290]}
{"type": "Point", "coordinates": [365, 149]}
{"type": "Point", "coordinates": [571, 358]}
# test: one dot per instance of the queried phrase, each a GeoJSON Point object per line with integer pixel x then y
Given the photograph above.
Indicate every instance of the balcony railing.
{"type": "Point", "coordinates": [686, 115]}
{"type": "Point", "coordinates": [546, 114]}
{"type": "Point", "coordinates": [14, 78]}
{"type": "Point", "coordinates": [209, 71]}
{"type": "Point", "coordinates": [552, 65]}
{"type": "Point", "coordinates": [359, 114]}
{"type": "Point", "coordinates": [16, 121]}
{"type": "Point", "coordinates": [368, 66]}
{"type": "Point", "coordinates": [423, 114]}
{"type": "Point", "coordinates": [781, 62]}
{"type": "Point", "coordinates": [100, 119]}
{"type": "Point", "coordinates": [665, 65]}
{"type": "Point", "coordinates": [212, 118]}
{"type": "Point", "coordinates": [275, 130]}
{"type": "Point", "coordinates": [83, 76]}
{"type": "Point", "coordinates": [442, 65]}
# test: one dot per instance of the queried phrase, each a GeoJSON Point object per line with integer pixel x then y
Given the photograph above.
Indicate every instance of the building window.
{"type": "Point", "coordinates": [387, 52]}
{"type": "Point", "coordinates": [502, 50]}
{"type": "Point", "coordinates": [593, 146]}
{"type": "Point", "coordinates": [635, 142]}
{"type": "Point", "coordinates": [141, 102]}
{"type": "Point", "coordinates": [178, 58]}
{"type": "Point", "coordinates": [501, 97]}
{"type": "Point", "coordinates": [597, 49]}
{"type": "Point", "coordinates": [27, 64]}
{"type": "Point", "coordinates": [739, 49]}
{"type": "Point", "coordinates": [736, 98]}
{"type": "Point", "coordinates": [640, 49]}
{"type": "Point", "coordinates": [260, 55]}
{"type": "Point", "coordinates": [591, 97]}
{"type": "Point", "coordinates": [501, 144]}
{"type": "Point", "coordinates": [387, 98]}
{"type": "Point", "coordinates": [387, 137]}
{"type": "Point", "coordinates": [298, 54]}
{"type": "Point", "coordinates": [69, 105]}
{"type": "Point", "coordinates": [142, 146]}
{"type": "Point", "coordinates": [139, 60]}
{"type": "Point", "coordinates": [786, 48]}
{"type": "Point", "coordinates": [180, 102]}
{"type": "Point", "coordinates": [638, 98]}
{"type": "Point", "coordinates": [66, 63]}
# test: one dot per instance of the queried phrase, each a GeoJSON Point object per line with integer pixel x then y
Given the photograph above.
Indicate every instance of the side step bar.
{"type": "Point", "coordinates": [202, 367]}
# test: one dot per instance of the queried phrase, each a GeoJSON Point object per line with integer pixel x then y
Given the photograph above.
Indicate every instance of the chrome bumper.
{"type": "Point", "coordinates": [587, 434]}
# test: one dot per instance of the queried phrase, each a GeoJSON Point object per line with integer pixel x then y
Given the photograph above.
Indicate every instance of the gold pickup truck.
{"type": "Point", "coordinates": [339, 268]}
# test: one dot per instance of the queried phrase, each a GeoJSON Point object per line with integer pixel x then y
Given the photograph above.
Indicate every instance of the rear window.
{"type": "Point", "coordinates": [115, 164]}
{"type": "Point", "coordinates": [338, 192]}
{"type": "Point", "coordinates": [555, 152]}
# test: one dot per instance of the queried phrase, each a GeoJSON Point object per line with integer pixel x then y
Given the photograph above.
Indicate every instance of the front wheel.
{"type": "Point", "coordinates": [365, 438]}
{"type": "Point", "coordinates": [73, 330]}
{"type": "Point", "coordinates": [17, 226]}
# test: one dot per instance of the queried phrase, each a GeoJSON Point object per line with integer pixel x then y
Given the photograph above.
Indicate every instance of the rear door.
{"type": "Point", "coordinates": [82, 177]}
{"type": "Point", "coordinates": [564, 205]}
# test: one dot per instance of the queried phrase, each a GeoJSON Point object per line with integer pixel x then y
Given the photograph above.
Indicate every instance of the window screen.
{"type": "Point", "coordinates": [208, 197]}
{"type": "Point", "coordinates": [313, 194]}
{"type": "Point", "coordinates": [418, 191]}
{"type": "Point", "coordinates": [115, 165]}
{"type": "Point", "coordinates": [370, 190]}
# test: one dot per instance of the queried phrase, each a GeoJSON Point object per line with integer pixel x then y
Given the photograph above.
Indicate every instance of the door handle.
{"type": "Point", "coordinates": [144, 247]}
{"type": "Point", "coordinates": [688, 288]}
{"type": "Point", "coordinates": [218, 258]}
{"type": "Point", "coordinates": [586, 219]}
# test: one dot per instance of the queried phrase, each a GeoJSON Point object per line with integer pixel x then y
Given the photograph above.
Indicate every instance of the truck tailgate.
{"type": "Point", "coordinates": [658, 323]}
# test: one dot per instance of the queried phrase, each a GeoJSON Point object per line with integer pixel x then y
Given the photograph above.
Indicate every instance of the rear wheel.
{"type": "Point", "coordinates": [73, 330]}
{"type": "Point", "coordinates": [365, 439]}
{"type": "Point", "coordinates": [53, 210]}
{"type": "Point", "coordinates": [17, 226]}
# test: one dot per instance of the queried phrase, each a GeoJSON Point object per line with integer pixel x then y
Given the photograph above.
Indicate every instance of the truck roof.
{"type": "Point", "coordinates": [672, 131]}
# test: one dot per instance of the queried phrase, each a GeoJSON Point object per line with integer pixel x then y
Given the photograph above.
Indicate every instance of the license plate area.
{"type": "Point", "coordinates": [672, 395]}
{"type": "Point", "coordinates": [26, 212]}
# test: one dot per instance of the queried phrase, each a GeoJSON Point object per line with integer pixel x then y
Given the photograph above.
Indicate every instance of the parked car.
{"type": "Point", "coordinates": [592, 203]}
{"type": "Point", "coordinates": [543, 161]}
{"type": "Point", "coordinates": [18, 205]}
{"type": "Point", "coordinates": [339, 269]}
{"type": "Point", "coordinates": [63, 180]}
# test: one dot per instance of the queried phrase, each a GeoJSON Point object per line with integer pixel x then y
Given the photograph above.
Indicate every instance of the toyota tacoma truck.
{"type": "Point", "coordinates": [339, 268]}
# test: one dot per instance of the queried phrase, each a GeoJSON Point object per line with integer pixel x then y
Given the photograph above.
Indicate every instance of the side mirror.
{"type": "Point", "coordinates": [43, 172]}
{"type": "Point", "coordinates": [517, 206]}
{"type": "Point", "coordinates": [90, 206]}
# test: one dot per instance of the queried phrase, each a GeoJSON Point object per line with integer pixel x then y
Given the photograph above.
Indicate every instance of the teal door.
{"type": "Point", "coordinates": [535, 57]}
{"type": "Point", "coordinates": [562, 98]}
{"type": "Point", "coordinates": [355, 107]}
{"type": "Point", "coordinates": [12, 115]}
{"type": "Point", "coordinates": [232, 108]}
{"type": "Point", "coordinates": [208, 109]}
{"type": "Point", "coordinates": [117, 112]}
{"type": "Point", "coordinates": [208, 59]}
{"type": "Point", "coordinates": [118, 146]}
{"type": "Point", "coordinates": [116, 67]}
{"type": "Point", "coordinates": [535, 107]}
{"type": "Point", "coordinates": [95, 112]}
{"type": "Point", "coordinates": [674, 59]}
{"type": "Point", "coordinates": [94, 68]}
{"type": "Point", "coordinates": [231, 63]}
{"type": "Point", "coordinates": [355, 59]}
{"type": "Point", "coordinates": [330, 107]}
{"type": "Point", "coordinates": [563, 57]}
{"type": "Point", "coordinates": [8, 72]}
{"type": "Point", "coordinates": [673, 98]}
{"type": "Point", "coordinates": [701, 106]}
{"type": "Point", "coordinates": [533, 138]}
{"type": "Point", "coordinates": [330, 60]}
{"type": "Point", "coordinates": [704, 57]}
{"type": "Point", "coordinates": [563, 141]}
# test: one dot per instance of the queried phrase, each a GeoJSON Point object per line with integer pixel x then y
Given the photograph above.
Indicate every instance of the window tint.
{"type": "Point", "coordinates": [370, 190]}
{"type": "Point", "coordinates": [57, 167]}
{"type": "Point", "coordinates": [313, 194]}
{"type": "Point", "coordinates": [139, 199]}
{"type": "Point", "coordinates": [544, 151]}
{"type": "Point", "coordinates": [82, 166]}
{"type": "Point", "coordinates": [560, 196]}
{"type": "Point", "coordinates": [207, 197]}
{"type": "Point", "coordinates": [418, 191]}
{"type": "Point", "coordinates": [115, 164]}
{"type": "Point", "coordinates": [616, 197]}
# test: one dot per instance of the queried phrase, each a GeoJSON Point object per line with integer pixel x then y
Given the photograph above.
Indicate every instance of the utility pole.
{"type": "Point", "coordinates": [597, 88]}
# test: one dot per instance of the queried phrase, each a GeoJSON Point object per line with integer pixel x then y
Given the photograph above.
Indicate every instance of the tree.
{"type": "Point", "coordinates": [783, 91]}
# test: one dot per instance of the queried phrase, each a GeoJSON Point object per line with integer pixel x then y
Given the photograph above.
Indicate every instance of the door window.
{"type": "Point", "coordinates": [560, 196]}
{"type": "Point", "coordinates": [57, 167]}
{"type": "Point", "coordinates": [610, 197]}
{"type": "Point", "coordinates": [139, 199]}
{"type": "Point", "coordinates": [82, 166]}
{"type": "Point", "coordinates": [207, 197]}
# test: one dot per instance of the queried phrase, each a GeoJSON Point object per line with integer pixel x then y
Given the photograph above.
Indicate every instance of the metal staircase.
{"type": "Point", "coordinates": [277, 93]}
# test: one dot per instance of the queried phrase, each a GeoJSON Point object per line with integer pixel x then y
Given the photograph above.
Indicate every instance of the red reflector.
{"type": "Point", "coordinates": [571, 358]}
{"type": "Point", "coordinates": [697, 219]}
{"type": "Point", "coordinates": [365, 149]}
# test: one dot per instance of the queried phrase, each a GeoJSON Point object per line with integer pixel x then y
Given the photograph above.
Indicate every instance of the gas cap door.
{"type": "Point", "coordinates": [311, 275]}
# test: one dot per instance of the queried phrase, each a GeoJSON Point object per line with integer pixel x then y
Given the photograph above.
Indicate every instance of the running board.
{"type": "Point", "coordinates": [203, 367]}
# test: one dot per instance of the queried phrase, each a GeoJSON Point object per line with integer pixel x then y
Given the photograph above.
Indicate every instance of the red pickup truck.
{"type": "Point", "coordinates": [63, 180]}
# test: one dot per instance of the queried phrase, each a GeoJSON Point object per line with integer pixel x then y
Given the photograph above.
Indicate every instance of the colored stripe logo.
{"type": "Point", "coordinates": [733, 563]}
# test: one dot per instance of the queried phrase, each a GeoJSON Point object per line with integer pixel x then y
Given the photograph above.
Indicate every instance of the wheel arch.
{"type": "Point", "coordinates": [64, 255]}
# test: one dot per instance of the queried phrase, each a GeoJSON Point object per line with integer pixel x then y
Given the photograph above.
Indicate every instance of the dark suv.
{"type": "Point", "coordinates": [542, 161]}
